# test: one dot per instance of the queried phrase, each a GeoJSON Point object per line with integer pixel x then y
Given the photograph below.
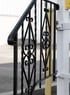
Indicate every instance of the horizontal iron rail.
{"type": "Point", "coordinates": [12, 35]}
{"type": "Point", "coordinates": [57, 5]}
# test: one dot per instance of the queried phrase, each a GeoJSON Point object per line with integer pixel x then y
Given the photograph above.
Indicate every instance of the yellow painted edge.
{"type": "Point", "coordinates": [67, 4]}
{"type": "Point", "coordinates": [48, 82]}
{"type": "Point", "coordinates": [48, 86]}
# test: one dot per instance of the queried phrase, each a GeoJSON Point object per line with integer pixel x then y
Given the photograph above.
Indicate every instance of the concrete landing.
{"type": "Point", "coordinates": [42, 91]}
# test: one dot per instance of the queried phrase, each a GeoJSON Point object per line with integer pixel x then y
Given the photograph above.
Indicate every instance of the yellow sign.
{"type": "Point", "coordinates": [67, 4]}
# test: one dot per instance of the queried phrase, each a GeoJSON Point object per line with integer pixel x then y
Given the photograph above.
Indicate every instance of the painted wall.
{"type": "Point", "coordinates": [10, 12]}
{"type": "Point", "coordinates": [13, 7]}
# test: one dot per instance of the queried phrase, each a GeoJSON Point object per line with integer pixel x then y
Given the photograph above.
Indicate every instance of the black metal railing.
{"type": "Point", "coordinates": [28, 25]}
{"type": "Point", "coordinates": [48, 38]}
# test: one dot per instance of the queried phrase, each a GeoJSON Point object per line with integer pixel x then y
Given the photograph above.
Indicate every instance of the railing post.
{"type": "Point", "coordinates": [54, 44]}
{"type": "Point", "coordinates": [40, 41]}
{"type": "Point", "coordinates": [63, 40]}
{"type": "Point", "coordinates": [48, 72]}
{"type": "Point", "coordinates": [15, 69]}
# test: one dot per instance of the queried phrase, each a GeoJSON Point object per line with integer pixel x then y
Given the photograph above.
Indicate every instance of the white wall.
{"type": "Point", "coordinates": [10, 12]}
{"type": "Point", "coordinates": [13, 7]}
{"type": "Point", "coordinates": [6, 25]}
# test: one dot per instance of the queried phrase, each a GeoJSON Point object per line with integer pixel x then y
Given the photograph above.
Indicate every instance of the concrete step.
{"type": "Point", "coordinates": [42, 91]}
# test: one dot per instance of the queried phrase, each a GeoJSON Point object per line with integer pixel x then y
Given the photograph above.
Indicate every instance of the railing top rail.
{"type": "Point", "coordinates": [13, 33]}
{"type": "Point", "coordinates": [57, 5]}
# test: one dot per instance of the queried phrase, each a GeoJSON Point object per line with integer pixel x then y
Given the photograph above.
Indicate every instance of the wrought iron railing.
{"type": "Point", "coordinates": [28, 25]}
{"type": "Point", "coordinates": [48, 36]}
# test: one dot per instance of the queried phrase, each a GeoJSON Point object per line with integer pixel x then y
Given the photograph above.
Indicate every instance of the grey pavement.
{"type": "Point", "coordinates": [6, 77]}
{"type": "Point", "coordinates": [6, 80]}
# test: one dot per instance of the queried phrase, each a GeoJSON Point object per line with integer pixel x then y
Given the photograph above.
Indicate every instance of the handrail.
{"type": "Point", "coordinates": [12, 35]}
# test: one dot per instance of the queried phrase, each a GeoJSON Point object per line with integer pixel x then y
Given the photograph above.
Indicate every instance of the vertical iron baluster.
{"type": "Point", "coordinates": [40, 42]}
{"type": "Point", "coordinates": [35, 47]}
{"type": "Point", "coordinates": [29, 55]}
{"type": "Point", "coordinates": [15, 67]}
{"type": "Point", "coordinates": [22, 60]}
{"type": "Point", "coordinates": [50, 38]}
{"type": "Point", "coordinates": [54, 43]}
{"type": "Point", "coordinates": [45, 39]}
{"type": "Point", "coordinates": [34, 51]}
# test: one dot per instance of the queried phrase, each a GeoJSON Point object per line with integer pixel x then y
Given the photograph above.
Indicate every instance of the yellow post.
{"type": "Point", "coordinates": [48, 81]}
{"type": "Point", "coordinates": [67, 4]}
